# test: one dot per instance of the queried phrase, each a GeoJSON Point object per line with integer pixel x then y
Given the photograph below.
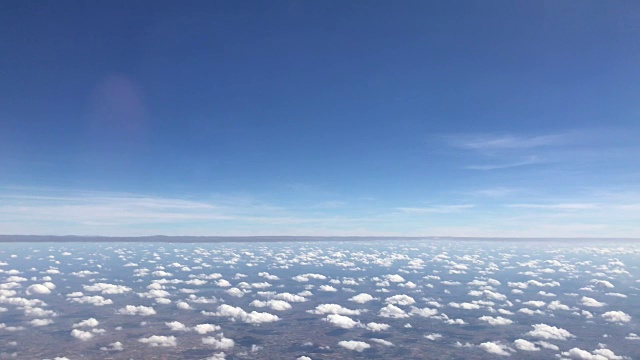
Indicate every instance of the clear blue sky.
{"type": "Point", "coordinates": [487, 118]}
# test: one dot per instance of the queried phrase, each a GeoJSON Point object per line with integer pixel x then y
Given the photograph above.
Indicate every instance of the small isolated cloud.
{"type": "Point", "coordinates": [137, 310]}
{"type": "Point", "coordinates": [41, 322]}
{"type": "Point", "coordinates": [382, 342]}
{"type": "Point", "coordinates": [433, 337]}
{"type": "Point", "coordinates": [116, 346]}
{"type": "Point", "coordinates": [160, 341]}
{"type": "Point", "coordinates": [400, 300]}
{"type": "Point", "coordinates": [495, 347]}
{"type": "Point", "coordinates": [219, 342]}
{"type": "Point", "coordinates": [358, 346]}
{"type": "Point", "coordinates": [598, 354]}
{"type": "Point", "coordinates": [499, 320]}
{"type": "Point", "coordinates": [205, 328]}
{"type": "Point", "coordinates": [81, 335]}
{"type": "Point", "coordinates": [392, 311]}
{"type": "Point", "coordinates": [616, 316]}
{"type": "Point", "coordinates": [96, 300]}
{"type": "Point", "coordinates": [342, 321]}
{"type": "Point", "coordinates": [591, 302]}
{"type": "Point", "coordinates": [548, 332]}
{"type": "Point", "coordinates": [177, 326]}
{"type": "Point", "coordinates": [90, 322]}
{"type": "Point", "coordinates": [525, 345]}
{"type": "Point", "coordinates": [38, 289]}
{"type": "Point", "coordinates": [372, 326]}
{"type": "Point", "coordinates": [107, 289]}
{"type": "Point", "coordinates": [361, 298]}
{"type": "Point", "coordinates": [333, 309]}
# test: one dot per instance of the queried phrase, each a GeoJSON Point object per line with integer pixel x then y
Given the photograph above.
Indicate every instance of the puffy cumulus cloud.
{"type": "Point", "coordinates": [616, 316]}
{"type": "Point", "coordinates": [177, 326]}
{"type": "Point", "coordinates": [372, 326]}
{"type": "Point", "coordinates": [382, 342]}
{"type": "Point", "coordinates": [464, 306]}
{"type": "Point", "coordinates": [548, 332]}
{"type": "Point", "coordinates": [289, 297]}
{"type": "Point", "coordinates": [392, 311]}
{"type": "Point", "coordinates": [358, 346]}
{"type": "Point", "coordinates": [524, 345]}
{"type": "Point", "coordinates": [219, 342]}
{"type": "Point", "coordinates": [268, 276]}
{"type": "Point", "coordinates": [342, 321]}
{"type": "Point", "coordinates": [433, 337]}
{"type": "Point", "coordinates": [96, 300]}
{"type": "Point", "coordinates": [238, 313]}
{"type": "Point", "coordinates": [217, 356]}
{"type": "Point", "coordinates": [327, 288]}
{"type": "Point", "coordinates": [137, 310]}
{"type": "Point", "coordinates": [424, 312]}
{"type": "Point", "coordinates": [90, 322]}
{"type": "Point", "coordinates": [499, 320]}
{"type": "Point", "coordinates": [205, 328]}
{"type": "Point", "coordinates": [278, 305]}
{"type": "Point", "coordinates": [599, 354]}
{"type": "Point", "coordinates": [361, 298]}
{"type": "Point", "coordinates": [81, 335]}
{"type": "Point", "coordinates": [591, 302]}
{"type": "Point", "coordinates": [183, 305]}
{"type": "Point", "coordinates": [38, 289]}
{"type": "Point", "coordinates": [495, 347]}
{"type": "Point", "coordinates": [602, 283]}
{"type": "Point", "coordinates": [395, 278]}
{"type": "Point", "coordinates": [307, 277]}
{"type": "Point", "coordinates": [400, 300]}
{"type": "Point", "coordinates": [107, 289]}
{"type": "Point", "coordinates": [333, 309]}
{"type": "Point", "coordinates": [303, 358]}
{"type": "Point", "coordinates": [41, 322]}
{"type": "Point", "coordinates": [534, 303]}
{"type": "Point", "coordinates": [116, 346]}
{"type": "Point", "coordinates": [223, 283]}
{"type": "Point", "coordinates": [235, 292]}
{"type": "Point", "coordinates": [161, 341]}
{"type": "Point", "coordinates": [632, 336]}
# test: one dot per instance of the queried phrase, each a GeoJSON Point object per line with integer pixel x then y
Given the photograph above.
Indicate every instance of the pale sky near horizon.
{"type": "Point", "coordinates": [425, 118]}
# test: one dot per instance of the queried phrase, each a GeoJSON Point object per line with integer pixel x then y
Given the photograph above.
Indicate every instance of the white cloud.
{"type": "Point", "coordinates": [41, 322]}
{"type": "Point", "coordinates": [137, 310]}
{"type": "Point", "coordinates": [219, 342]}
{"type": "Point", "coordinates": [96, 300]}
{"type": "Point", "coordinates": [333, 309]}
{"type": "Point", "coordinates": [161, 341]}
{"type": "Point", "coordinates": [81, 335]}
{"type": "Point", "coordinates": [177, 326]}
{"type": "Point", "coordinates": [372, 326]}
{"type": "Point", "coordinates": [495, 347]}
{"type": "Point", "coordinates": [358, 346]}
{"type": "Point", "coordinates": [38, 289]}
{"type": "Point", "coordinates": [548, 332]}
{"type": "Point", "coordinates": [616, 316]}
{"type": "Point", "coordinates": [400, 300]}
{"type": "Point", "coordinates": [90, 322]}
{"type": "Point", "coordinates": [116, 346]}
{"type": "Point", "coordinates": [496, 320]}
{"type": "Point", "coordinates": [107, 289]}
{"type": "Point", "coordinates": [205, 328]}
{"type": "Point", "coordinates": [342, 321]}
{"type": "Point", "coordinates": [525, 345]}
{"type": "Point", "coordinates": [591, 302]}
{"type": "Point", "coordinates": [361, 298]}
{"type": "Point", "coordinates": [392, 311]}
{"type": "Point", "coordinates": [382, 342]}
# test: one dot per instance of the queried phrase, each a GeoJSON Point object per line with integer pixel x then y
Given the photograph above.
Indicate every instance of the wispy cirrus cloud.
{"type": "Point", "coordinates": [508, 141]}
{"type": "Point", "coordinates": [531, 160]}
{"type": "Point", "coordinates": [562, 206]}
{"type": "Point", "coordinates": [436, 209]}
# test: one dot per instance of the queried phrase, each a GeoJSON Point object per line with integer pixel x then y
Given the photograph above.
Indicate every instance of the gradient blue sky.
{"type": "Point", "coordinates": [464, 118]}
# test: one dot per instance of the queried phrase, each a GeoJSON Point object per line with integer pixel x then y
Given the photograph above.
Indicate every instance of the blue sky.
{"type": "Point", "coordinates": [458, 118]}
